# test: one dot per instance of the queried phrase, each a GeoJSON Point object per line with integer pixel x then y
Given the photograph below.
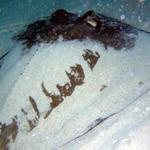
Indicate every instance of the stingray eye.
{"type": "Point", "coordinates": [92, 23]}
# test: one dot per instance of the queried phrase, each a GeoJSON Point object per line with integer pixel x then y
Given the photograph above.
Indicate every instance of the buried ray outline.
{"type": "Point", "coordinates": [108, 31]}
{"type": "Point", "coordinates": [67, 89]}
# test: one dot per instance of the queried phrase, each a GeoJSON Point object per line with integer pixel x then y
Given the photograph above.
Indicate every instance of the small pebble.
{"type": "Point", "coordinates": [140, 82]}
{"type": "Point", "coordinates": [122, 17]}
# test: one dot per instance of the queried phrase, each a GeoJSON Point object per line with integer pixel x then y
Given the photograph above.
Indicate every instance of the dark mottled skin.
{"type": "Point", "coordinates": [8, 133]}
{"type": "Point", "coordinates": [108, 31]}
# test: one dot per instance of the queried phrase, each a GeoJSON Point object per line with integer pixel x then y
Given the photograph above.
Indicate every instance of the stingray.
{"type": "Point", "coordinates": [98, 70]}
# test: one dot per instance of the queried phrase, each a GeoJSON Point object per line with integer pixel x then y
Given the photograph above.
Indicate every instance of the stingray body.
{"type": "Point", "coordinates": [69, 92]}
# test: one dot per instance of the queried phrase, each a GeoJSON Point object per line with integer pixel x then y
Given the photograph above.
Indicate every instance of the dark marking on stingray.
{"type": "Point", "coordinates": [45, 91]}
{"type": "Point", "coordinates": [8, 132]}
{"type": "Point", "coordinates": [24, 112]}
{"type": "Point", "coordinates": [76, 77]}
{"type": "Point", "coordinates": [32, 123]}
{"type": "Point", "coordinates": [103, 87]}
{"type": "Point", "coordinates": [105, 30]}
{"type": "Point", "coordinates": [48, 113]}
{"type": "Point", "coordinates": [34, 105]}
{"type": "Point", "coordinates": [56, 100]}
{"type": "Point", "coordinates": [65, 90]}
{"type": "Point", "coordinates": [91, 58]}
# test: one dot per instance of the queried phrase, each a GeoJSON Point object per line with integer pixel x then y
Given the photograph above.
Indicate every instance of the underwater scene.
{"type": "Point", "coordinates": [74, 75]}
